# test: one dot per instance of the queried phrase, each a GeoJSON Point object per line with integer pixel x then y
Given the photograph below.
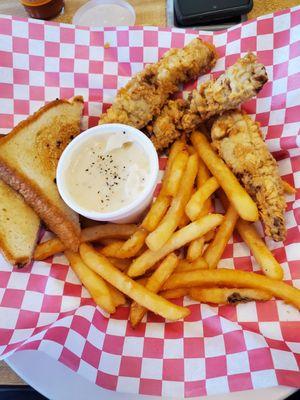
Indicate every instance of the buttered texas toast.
{"type": "Point", "coordinates": [19, 226]}
{"type": "Point", "coordinates": [28, 159]}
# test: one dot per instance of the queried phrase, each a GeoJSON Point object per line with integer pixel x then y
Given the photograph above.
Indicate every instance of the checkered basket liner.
{"type": "Point", "coordinates": [44, 306]}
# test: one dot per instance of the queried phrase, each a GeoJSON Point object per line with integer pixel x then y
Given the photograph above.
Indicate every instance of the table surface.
{"type": "Point", "coordinates": [148, 12]}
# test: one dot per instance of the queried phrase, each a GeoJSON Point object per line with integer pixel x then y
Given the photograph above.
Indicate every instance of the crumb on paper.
{"type": "Point", "coordinates": [106, 45]}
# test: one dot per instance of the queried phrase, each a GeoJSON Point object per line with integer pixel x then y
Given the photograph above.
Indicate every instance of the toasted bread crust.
{"type": "Point", "coordinates": [53, 217]}
{"type": "Point", "coordinates": [32, 118]}
{"type": "Point", "coordinates": [16, 261]}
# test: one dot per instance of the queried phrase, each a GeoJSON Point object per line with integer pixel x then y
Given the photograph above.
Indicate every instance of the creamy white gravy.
{"type": "Point", "coordinates": [105, 175]}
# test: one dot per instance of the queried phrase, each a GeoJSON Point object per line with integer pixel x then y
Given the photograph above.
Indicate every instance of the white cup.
{"type": "Point", "coordinates": [126, 214]}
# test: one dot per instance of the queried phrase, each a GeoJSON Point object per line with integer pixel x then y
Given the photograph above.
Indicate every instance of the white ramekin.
{"type": "Point", "coordinates": [129, 213]}
{"type": "Point", "coordinates": [92, 5]}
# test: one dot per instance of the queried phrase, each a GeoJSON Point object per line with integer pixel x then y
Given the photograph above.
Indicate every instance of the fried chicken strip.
{"type": "Point", "coordinates": [239, 83]}
{"type": "Point", "coordinates": [167, 127]}
{"type": "Point", "coordinates": [238, 140]}
{"type": "Point", "coordinates": [147, 92]}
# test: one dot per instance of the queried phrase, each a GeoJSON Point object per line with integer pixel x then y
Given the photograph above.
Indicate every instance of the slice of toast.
{"type": "Point", "coordinates": [19, 226]}
{"type": "Point", "coordinates": [28, 159]}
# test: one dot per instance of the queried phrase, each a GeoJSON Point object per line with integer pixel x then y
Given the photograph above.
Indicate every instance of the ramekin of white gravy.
{"type": "Point", "coordinates": [108, 173]}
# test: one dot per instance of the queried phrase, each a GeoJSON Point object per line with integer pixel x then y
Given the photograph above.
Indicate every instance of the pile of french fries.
{"type": "Point", "coordinates": [176, 249]}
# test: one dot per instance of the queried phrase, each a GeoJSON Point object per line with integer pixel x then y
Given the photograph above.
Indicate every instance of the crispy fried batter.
{"type": "Point", "coordinates": [167, 127]}
{"type": "Point", "coordinates": [146, 93]}
{"type": "Point", "coordinates": [238, 140]}
{"type": "Point", "coordinates": [239, 83]}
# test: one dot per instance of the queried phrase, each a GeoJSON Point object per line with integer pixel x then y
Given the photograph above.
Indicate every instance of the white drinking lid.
{"type": "Point", "coordinates": [97, 13]}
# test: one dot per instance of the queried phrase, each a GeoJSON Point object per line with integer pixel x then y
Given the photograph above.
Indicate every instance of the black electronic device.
{"type": "Point", "coordinates": [198, 12]}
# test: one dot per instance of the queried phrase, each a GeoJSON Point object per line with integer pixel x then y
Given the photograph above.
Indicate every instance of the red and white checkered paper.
{"type": "Point", "coordinates": [44, 307]}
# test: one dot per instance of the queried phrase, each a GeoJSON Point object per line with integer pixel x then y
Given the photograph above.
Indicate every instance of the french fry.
{"type": "Point", "coordinates": [288, 189]}
{"type": "Point", "coordinates": [156, 239]}
{"type": "Point", "coordinates": [209, 236]}
{"type": "Point", "coordinates": [154, 283]}
{"type": "Point", "coordinates": [197, 201]}
{"type": "Point", "coordinates": [112, 231]}
{"type": "Point", "coordinates": [161, 204]}
{"type": "Point", "coordinates": [236, 194]}
{"type": "Point", "coordinates": [234, 278]}
{"type": "Point", "coordinates": [157, 211]}
{"type": "Point", "coordinates": [203, 173]}
{"type": "Point", "coordinates": [190, 150]}
{"type": "Point", "coordinates": [177, 170]}
{"type": "Point", "coordinates": [90, 234]}
{"type": "Point", "coordinates": [227, 295]}
{"type": "Point", "coordinates": [134, 244]}
{"type": "Point", "coordinates": [99, 264]}
{"type": "Point", "coordinates": [202, 176]}
{"type": "Point", "coordinates": [94, 284]}
{"type": "Point", "coordinates": [112, 249]}
{"type": "Point", "coordinates": [48, 249]}
{"type": "Point", "coordinates": [261, 253]}
{"type": "Point", "coordinates": [176, 148]}
{"type": "Point", "coordinates": [215, 249]}
{"type": "Point", "coordinates": [121, 264]}
{"type": "Point", "coordinates": [179, 239]}
{"type": "Point", "coordinates": [269, 265]}
{"type": "Point", "coordinates": [184, 221]}
{"type": "Point", "coordinates": [184, 265]}
{"type": "Point", "coordinates": [118, 297]}
{"type": "Point", "coordinates": [195, 249]}
{"type": "Point", "coordinates": [142, 281]}
{"type": "Point", "coordinates": [174, 293]}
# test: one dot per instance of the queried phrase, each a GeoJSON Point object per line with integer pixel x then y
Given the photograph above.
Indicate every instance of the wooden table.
{"type": "Point", "coordinates": [148, 12]}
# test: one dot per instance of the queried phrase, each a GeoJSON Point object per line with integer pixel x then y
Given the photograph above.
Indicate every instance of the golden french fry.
{"type": "Point", "coordinates": [48, 249]}
{"type": "Point", "coordinates": [142, 281]}
{"type": "Point", "coordinates": [176, 148]}
{"type": "Point", "coordinates": [99, 264]}
{"type": "Point", "coordinates": [104, 241]}
{"type": "Point", "coordinates": [184, 265]}
{"type": "Point", "coordinates": [197, 201]}
{"type": "Point", "coordinates": [121, 264]}
{"type": "Point", "coordinates": [209, 236]}
{"type": "Point", "coordinates": [216, 248]}
{"type": "Point", "coordinates": [236, 194]}
{"type": "Point", "coordinates": [154, 283]}
{"type": "Point", "coordinates": [112, 231]}
{"type": "Point", "coordinates": [111, 250]}
{"type": "Point", "coordinates": [161, 204]}
{"type": "Point", "coordinates": [118, 297]}
{"type": "Point", "coordinates": [184, 221]}
{"type": "Point", "coordinates": [234, 278]}
{"type": "Point", "coordinates": [157, 211]}
{"type": "Point", "coordinates": [270, 266]}
{"type": "Point", "coordinates": [174, 293]}
{"type": "Point", "coordinates": [128, 249]}
{"type": "Point", "coordinates": [203, 173]}
{"type": "Point", "coordinates": [156, 239]}
{"type": "Point", "coordinates": [261, 253]}
{"type": "Point", "coordinates": [195, 249]}
{"type": "Point", "coordinates": [190, 149]}
{"type": "Point", "coordinates": [227, 295]}
{"type": "Point", "coordinates": [133, 245]}
{"type": "Point", "coordinates": [202, 176]}
{"type": "Point", "coordinates": [179, 239]}
{"type": "Point", "coordinates": [289, 189]}
{"type": "Point", "coordinates": [177, 170]}
{"type": "Point", "coordinates": [90, 234]}
{"type": "Point", "coordinates": [94, 284]}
